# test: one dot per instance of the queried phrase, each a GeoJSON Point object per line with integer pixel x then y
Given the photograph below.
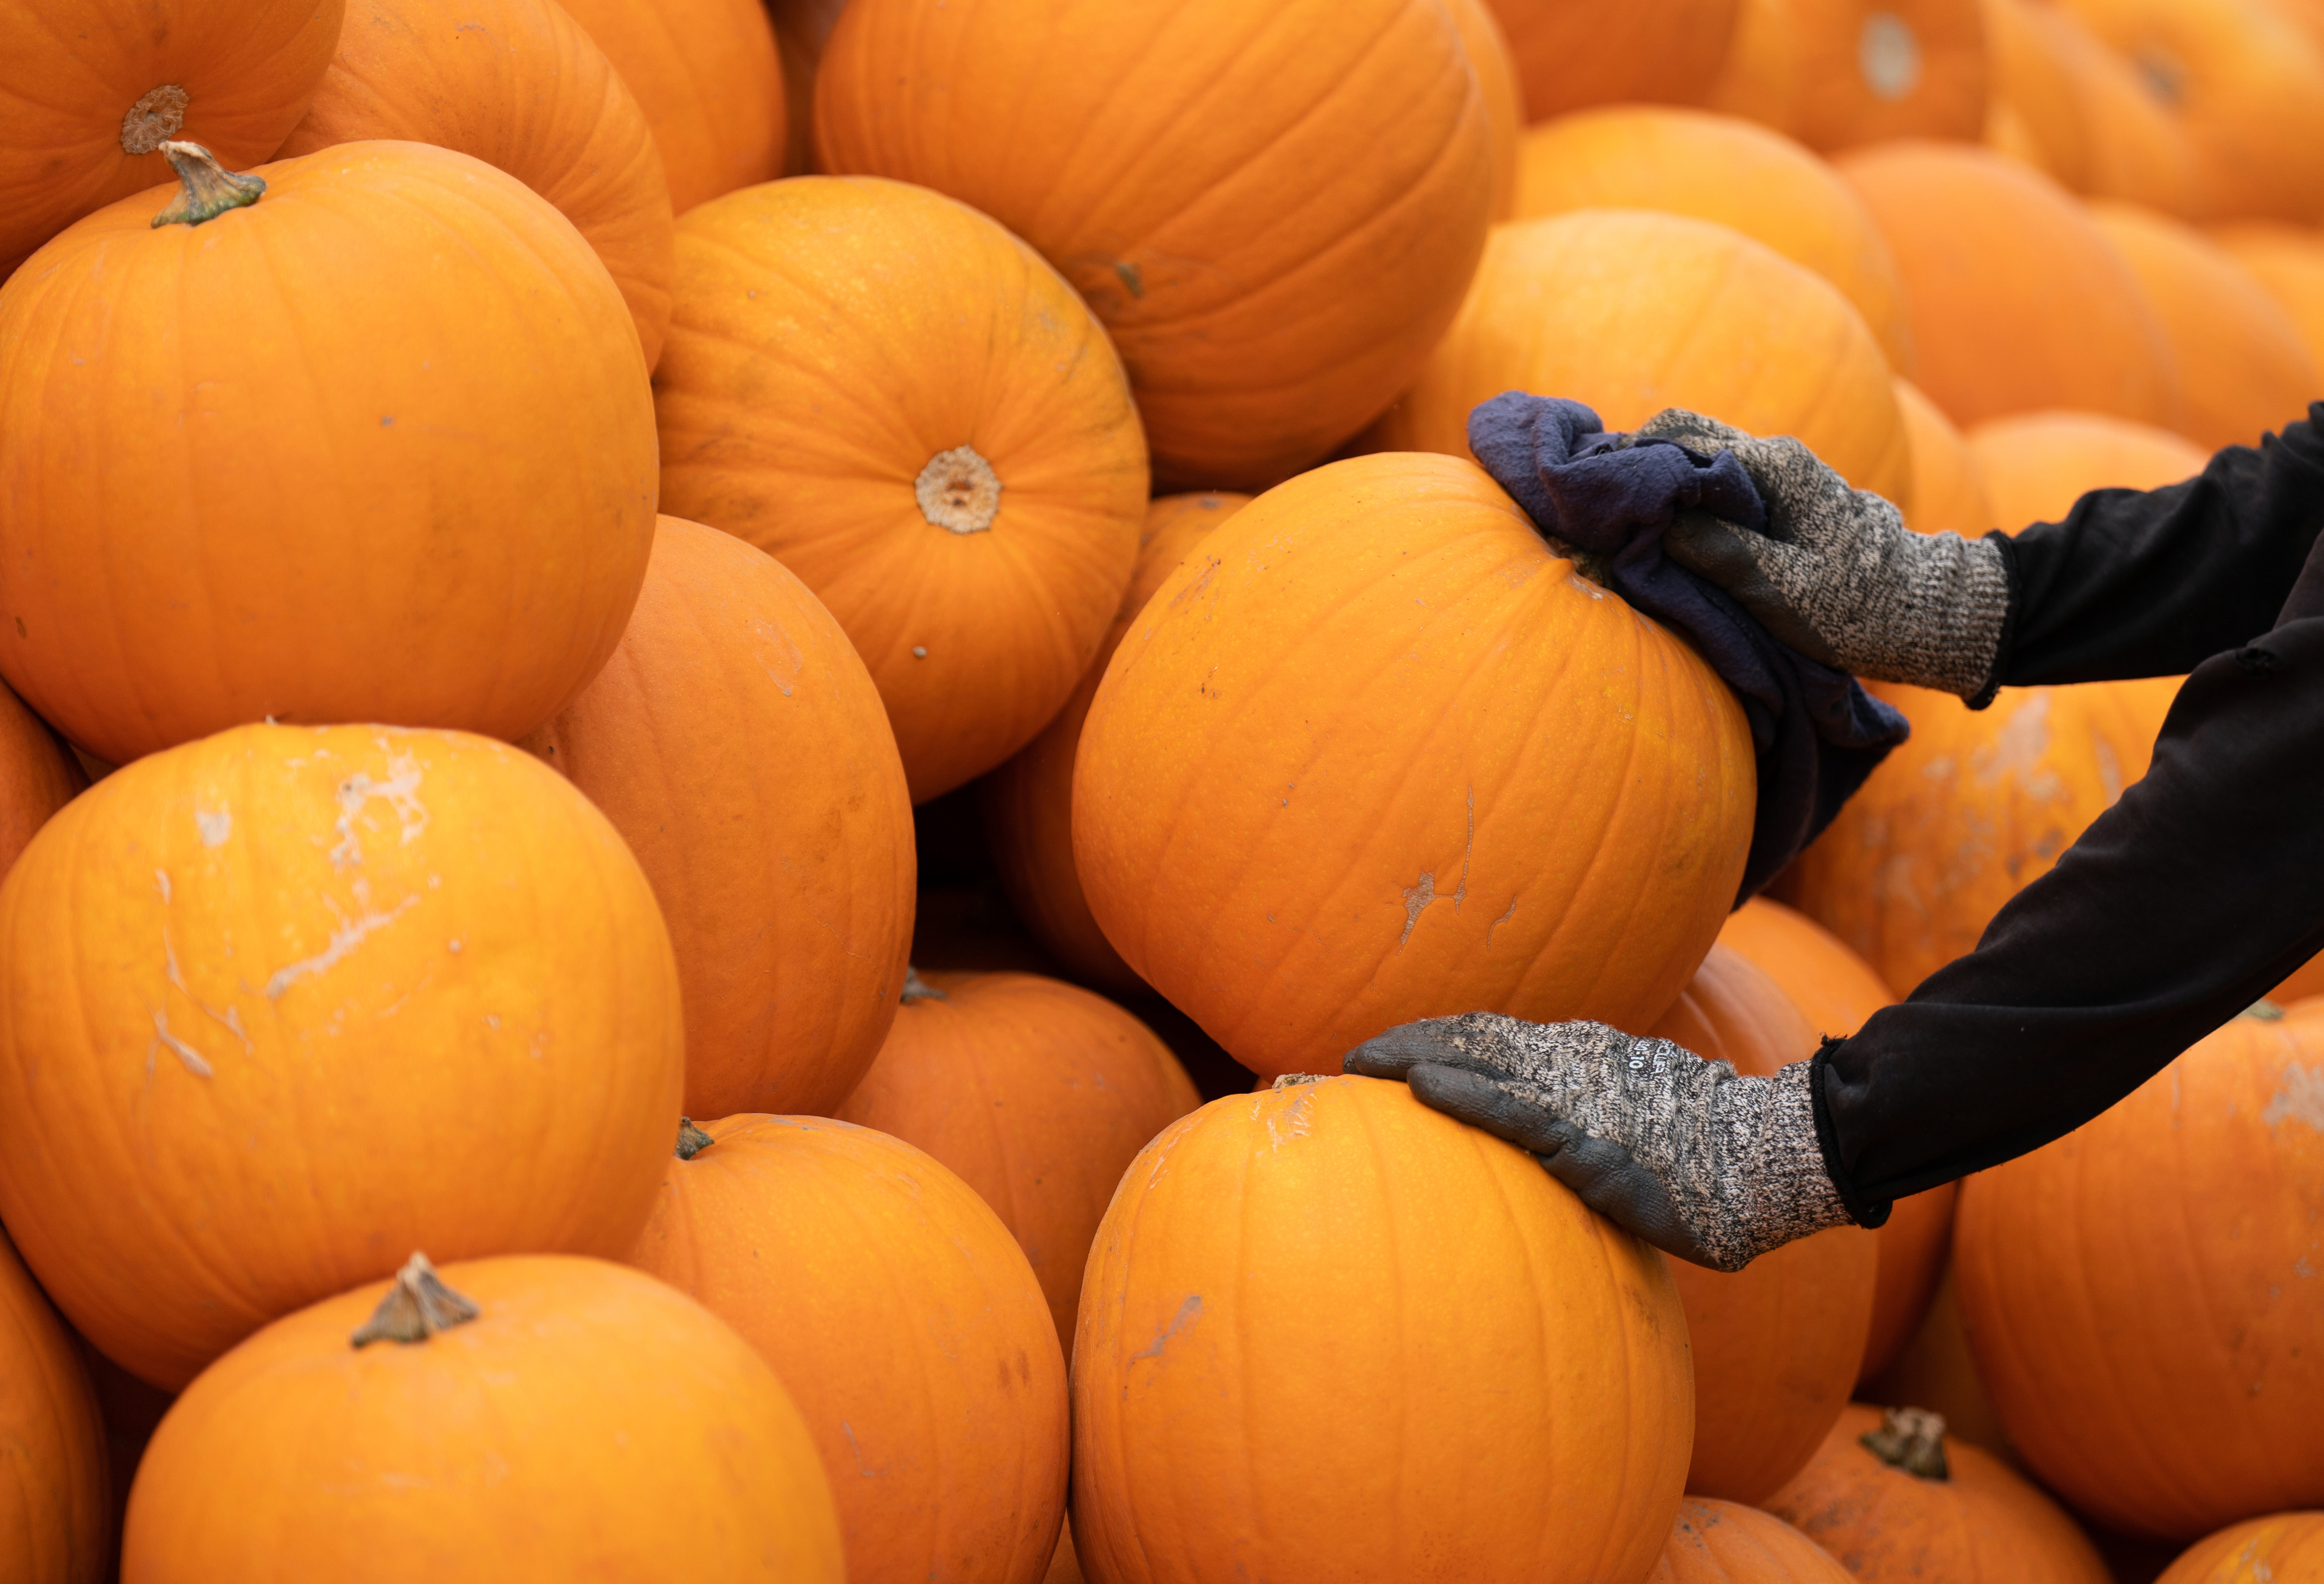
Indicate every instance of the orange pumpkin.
{"type": "Point", "coordinates": [1028, 802]}
{"type": "Point", "coordinates": [1309, 805]}
{"type": "Point", "coordinates": [1273, 208]}
{"type": "Point", "coordinates": [973, 531]}
{"type": "Point", "coordinates": [520, 86]}
{"type": "Point", "coordinates": [55, 1511]}
{"type": "Point", "coordinates": [92, 95]}
{"type": "Point", "coordinates": [2164, 1243]}
{"type": "Point", "coordinates": [2035, 467]}
{"type": "Point", "coordinates": [2070, 107]}
{"type": "Point", "coordinates": [905, 1320]}
{"type": "Point", "coordinates": [2283, 1548]}
{"type": "Point", "coordinates": [1632, 312]}
{"type": "Point", "coordinates": [2288, 262]}
{"type": "Point", "coordinates": [1726, 1542]}
{"type": "Point", "coordinates": [1524, 1402]}
{"type": "Point", "coordinates": [1838, 73]}
{"type": "Point", "coordinates": [1887, 1523]}
{"type": "Point", "coordinates": [2018, 301]}
{"type": "Point", "coordinates": [1497, 79]}
{"type": "Point", "coordinates": [1936, 1371]}
{"type": "Point", "coordinates": [588, 1422]}
{"type": "Point", "coordinates": [38, 776]}
{"type": "Point", "coordinates": [1038, 1094]}
{"type": "Point", "coordinates": [1719, 168]}
{"type": "Point", "coordinates": [1948, 490]}
{"type": "Point", "coordinates": [356, 514]}
{"type": "Point", "coordinates": [708, 76]}
{"type": "Point", "coordinates": [788, 895]}
{"type": "Point", "coordinates": [1656, 51]}
{"type": "Point", "coordinates": [338, 992]}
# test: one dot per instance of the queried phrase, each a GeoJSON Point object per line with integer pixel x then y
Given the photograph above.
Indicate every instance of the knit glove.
{"type": "Point", "coordinates": [1703, 1163]}
{"type": "Point", "coordinates": [1838, 576]}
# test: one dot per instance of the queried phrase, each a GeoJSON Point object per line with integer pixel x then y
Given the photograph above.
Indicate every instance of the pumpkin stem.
{"type": "Point", "coordinates": [208, 189]}
{"type": "Point", "coordinates": [154, 119]}
{"type": "Point", "coordinates": [917, 989]}
{"type": "Point", "coordinates": [416, 1307]}
{"type": "Point", "coordinates": [959, 490]}
{"type": "Point", "coordinates": [1294, 1080]}
{"type": "Point", "coordinates": [2265, 1011]}
{"type": "Point", "coordinates": [691, 1140]}
{"type": "Point", "coordinates": [1912, 1440]}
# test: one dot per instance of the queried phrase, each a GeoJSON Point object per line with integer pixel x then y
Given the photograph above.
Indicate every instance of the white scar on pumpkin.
{"type": "Point", "coordinates": [344, 940]}
{"type": "Point", "coordinates": [2301, 1100]}
{"type": "Point", "coordinates": [401, 791]}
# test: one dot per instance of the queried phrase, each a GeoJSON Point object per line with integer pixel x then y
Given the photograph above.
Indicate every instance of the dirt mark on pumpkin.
{"type": "Point", "coordinates": [1188, 1314]}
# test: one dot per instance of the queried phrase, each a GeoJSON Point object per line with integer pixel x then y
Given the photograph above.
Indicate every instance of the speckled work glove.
{"type": "Point", "coordinates": [1838, 576]}
{"type": "Point", "coordinates": [1701, 1163]}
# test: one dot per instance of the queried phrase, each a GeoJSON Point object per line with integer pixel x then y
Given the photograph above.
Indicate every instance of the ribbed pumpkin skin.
{"type": "Point", "coordinates": [1723, 169]}
{"type": "Point", "coordinates": [2288, 262]}
{"type": "Point", "coordinates": [55, 1511]}
{"type": "Point", "coordinates": [38, 776]}
{"type": "Point", "coordinates": [1885, 1526]}
{"type": "Point", "coordinates": [71, 70]}
{"type": "Point", "coordinates": [331, 498]}
{"type": "Point", "coordinates": [1028, 802]}
{"type": "Point", "coordinates": [519, 84]}
{"type": "Point", "coordinates": [2081, 111]}
{"type": "Point", "coordinates": [1657, 52]}
{"type": "Point", "coordinates": [1632, 312]}
{"type": "Point", "coordinates": [2162, 1243]}
{"type": "Point", "coordinates": [1777, 1343]}
{"type": "Point", "coordinates": [2019, 302]}
{"type": "Point", "coordinates": [1525, 1396]}
{"type": "Point", "coordinates": [738, 745]}
{"type": "Point", "coordinates": [2283, 1548]}
{"type": "Point", "coordinates": [799, 407]}
{"type": "Point", "coordinates": [1038, 1094]}
{"type": "Point", "coordinates": [708, 76]}
{"type": "Point", "coordinates": [1948, 490]}
{"type": "Point", "coordinates": [1311, 800]}
{"type": "Point", "coordinates": [1837, 74]}
{"type": "Point", "coordinates": [1273, 208]}
{"type": "Point", "coordinates": [1497, 80]}
{"type": "Point", "coordinates": [336, 993]}
{"type": "Point", "coordinates": [589, 1423]}
{"type": "Point", "coordinates": [2035, 467]}
{"type": "Point", "coordinates": [912, 1334]}
{"type": "Point", "coordinates": [1726, 1542]}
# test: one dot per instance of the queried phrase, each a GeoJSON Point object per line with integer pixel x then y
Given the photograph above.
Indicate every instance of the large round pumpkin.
{"type": "Point", "coordinates": [2165, 1243]}
{"type": "Point", "coordinates": [903, 1317]}
{"type": "Point", "coordinates": [1728, 170]}
{"type": "Point", "coordinates": [707, 75]}
{"type": "Point", "coordinates": [2018, 301]}
{"type": "Point", "coordinates": [92, 95]}
{"type": "Point", "coordinates": [1838, 73]}
{"type": "Point", "coordinates": [552, 1418]}
{"type": "Point", "coordinates": [903, 404]}
{"type": "Point", "coordinates": [2282, 1548]}
{"type": "Point", "coordinates": [55, 1516]}
{"type": "Point", "coordinates": [1948, 490]}
{"type": "Point", "coordinates": [737, 743]}
{"type": "Point", "coordinates": [329, 994]}
{"type": "Point", "coordinates": [1273, 208]}
{"type": "Point", "coordinates": [1038, 1094]}
{"type": "Point", "coordinates": [2288, 262]}
{"type": "Point", "coordinates": [38, 776]}
{"type": "Point", "coordinates": [298, 461]}
{"type": "Point", "coordinates": [1314, 800]}
{"type": "Point", "coordinates": [1028, 802]}
{"type": "Point", "coordinates": [2034, 468]}
{"type": "Point", "coordinates": [1330, 1335]}
{"type": "Point", "coordinates": [1656, 51]}
{"type": "Point", "coordinates": [1632, 312]}
{"type": "Point", "coordinates": [1716, 1541]}
{"type": "Point", "coordinates": [518, 84]}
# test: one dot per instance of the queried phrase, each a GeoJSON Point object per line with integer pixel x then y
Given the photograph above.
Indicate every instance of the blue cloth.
{"type": "Point", "coordinates": [1815, 734]}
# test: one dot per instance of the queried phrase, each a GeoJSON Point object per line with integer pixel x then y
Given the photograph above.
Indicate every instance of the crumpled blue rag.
{"type": "Point", "coordinates": [1815, 734]}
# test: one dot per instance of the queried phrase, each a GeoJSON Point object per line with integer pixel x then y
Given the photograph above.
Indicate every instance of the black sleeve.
{"type": "Point", "coordinates": [2152, 583]}
{"type": "Point", "coordinates": [2179, 906]}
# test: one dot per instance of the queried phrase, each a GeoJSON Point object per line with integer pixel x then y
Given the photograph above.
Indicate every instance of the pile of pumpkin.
{"type": "Point", "coordinates": [493, 550]}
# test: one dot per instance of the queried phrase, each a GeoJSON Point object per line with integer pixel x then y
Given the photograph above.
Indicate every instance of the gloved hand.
{"type": "Point", "coordinates": [1838, 576]}
{"type": "Point", "coordinates": [1703, 1163]}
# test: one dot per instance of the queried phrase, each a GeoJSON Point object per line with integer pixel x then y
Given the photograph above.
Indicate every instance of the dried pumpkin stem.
{"type": "Point", "coordinates": [1912, 1440]}
{"type": "Point", "coordinates": [1294, 1080]}
{"type": "Point", "coordinates": [416, 1307]}
{"type": "Point", "coordinates": [154, 119]}
{"type": "Point", "coordinates": [917, 989]}
{"type": "Point", "coordinates": [691, 1140]}
{"type": "Point", "coordinates": [958, 491]}
{"type": "Point", "coordinates": [207, 188]}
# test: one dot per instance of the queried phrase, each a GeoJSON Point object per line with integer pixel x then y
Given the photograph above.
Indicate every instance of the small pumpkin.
{"type": "Point", "coordinates": [531, 1416]}
{"type": "Point", "coordinates": [1948, 490]}
{"type": "Point", "coordinates": [1216, 1422]}
{"type": "Point", "coordinates": [2035, 467]}
{"type": "Point", "coordinates": [709, 77]}
{"type": "Point", "coordinates": [38, 776]}
{"type": "Point", "coordinates": [1837, 74]}
{"type": "Point", "coordinates": [2288, 262]}
{"type": "Point", "coordinates": [2282, 1548]}
{"type": "Point", "coordinates": [1717, 1541]}
{"type": "Point", "coordinates": [1654, 51]}
{"type": "Point", "coordinates": [55, 1510]}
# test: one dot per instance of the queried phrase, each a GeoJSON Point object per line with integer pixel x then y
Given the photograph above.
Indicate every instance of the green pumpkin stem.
{"type": "Point", "coordinates": [416, 1307]}
{"type": "Point", "coordinates": [208, 189]}
{"type": "Point", "coordinates": [917, 989]}
{"type": "Point", "coordinates": [2265, 1011]}
{"type": "Point", "coordinates": [691, 1140]}
{"type": "Point", "coordinates": [1912, 1440]}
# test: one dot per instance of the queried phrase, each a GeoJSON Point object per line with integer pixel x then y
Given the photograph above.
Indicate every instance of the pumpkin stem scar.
{"type": "Point", "coordinates": [208, 189]}
{"type": "Point", "coordinates": [416, 1307]}
{"type": "Point", "coordinates": [154, 119]}
{"type": "Point", "coordinates": [917, 989]}
{"type": "Point", "coordinates": [1912, 1440]}
{"type": "Point", "coordinates": [2265, 1011]}
{"type": "Point", "coordinates": [691, 1140]}
{"type": "Point", "coordinates": [1294, 1080]}
{"type": "Point", "coordinates": [959, 490]}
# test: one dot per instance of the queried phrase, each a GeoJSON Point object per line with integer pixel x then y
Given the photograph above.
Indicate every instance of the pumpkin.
{"type": "Point", "coordinates": [55, 1513]}
{"type": "Point", "coordinates": [708, 77]}
{"type": "Point", "coordinates": [905, 1320]}
{"type": "Point", "coordinates": [2035, 467]}
{"type": "Point", "coordinates": [92, 95]}
{"type": "Point", "coordinates": [2018, 301]}
{"type": "Point", "coordinates": [738, 745]}
{"type": "Point", "coordinates": [1726, 1542]}
{"type": "Point", "coordinates": [972, 530]}
{"type": "Point", "coordinates": [531, 1416]}
{"type": "Point", "coordinates": [1658, 51]}
{"type": "Point", "coordinates": [1632, 312]}
{"type": "Point", "coordinates": [1936, 1371]}
{"type": "Point", "coordinates": [1497, 80]}
{"type": "Point", "coordinates": [520, 86]}
{"type": "Point", "coordinates": [1917, 1504]}
{"type": "Point", "coordinates": [1719, 168]}
{"type": "Point", "coordinates": [293, 462]}
{"type": "Point", "coordinates": [1839, 73]}
{"type": "Point", "coordinates": [1038, 1094]}
{"type": "Point", "coordinates": [1525, 1398]}
{"type": "Point", "coordinates": [1309, 804]}
{"type": "Point", "coordinates": [1776, 1344]}
{"type": "Point", "coordinates": [1274, 209]}
{"type": "Point", "coordinates": [2070, 107]}
{"type": "Point", "coordinates": [2282, 1548]}
{"type": "Point", "coordinates": [38, 776]}
{"type": "Point", "coordinates": [1028, 802]}
{"type": "Point", "coordinates": [2163, 1242]}
{"type": "Point", "coordinates": [1948, 490]}
{"type": "Point", "coordinates": [337, 992]}
{"type": "Point", "coordinates": [1836, 990]}
{"type": "Point", "coordinates": [2242, 363]}
{"type": "Point", "coordinates": [2288, 262]}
